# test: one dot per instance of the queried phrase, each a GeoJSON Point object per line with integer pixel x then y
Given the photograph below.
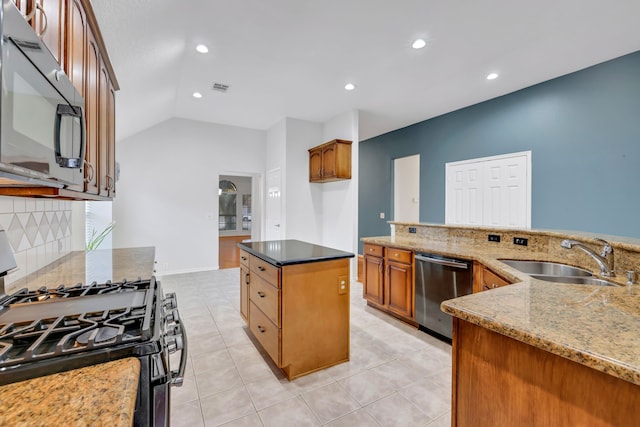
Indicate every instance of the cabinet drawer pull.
{"type": "Point", "coordinates": [396, 254]}
{"type": "Point", "coordinates": [261, 294]}
{"type": "Point", "coordinates": [261, 329]}
{"type": "Point", "coordinates": [261, 268]}
{"type": "Point", "coordinates": [247, 279]}
{"type": "Point", "coordinates": [244, 258]}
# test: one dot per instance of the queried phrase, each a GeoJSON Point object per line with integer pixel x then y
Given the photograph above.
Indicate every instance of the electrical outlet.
{"type": "Point", "coordinates": [412, 230]}
{"type": "Point", "coordinates": [343, 285]}
{"type": "Point", "coordinates": [494, 238]}
{"type": "Point", "coordinates": [520, 241]}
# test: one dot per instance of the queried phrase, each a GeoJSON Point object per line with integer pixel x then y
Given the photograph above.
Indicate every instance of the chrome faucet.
{"type": "Point", "coordinates": [604, 259]}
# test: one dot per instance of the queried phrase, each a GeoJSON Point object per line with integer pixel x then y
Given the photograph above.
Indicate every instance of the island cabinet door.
{"type": "Point", "coordinates": [373, 279]}
{"type": "Point", "coordinates": [399, 281]}
{"type": "Point", "coordinates": [245, 280]}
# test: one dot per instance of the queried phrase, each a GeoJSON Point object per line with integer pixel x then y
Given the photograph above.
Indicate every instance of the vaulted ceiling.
{"type": "Point", "coordinates": [292, 58]}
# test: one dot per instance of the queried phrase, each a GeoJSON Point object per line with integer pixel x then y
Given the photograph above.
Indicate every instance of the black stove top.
{"type": "Point", "coordinates": [52, 323]}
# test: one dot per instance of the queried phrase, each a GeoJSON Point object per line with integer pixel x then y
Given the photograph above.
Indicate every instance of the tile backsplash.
{"type": "Point", "coordinates": [39, 231]}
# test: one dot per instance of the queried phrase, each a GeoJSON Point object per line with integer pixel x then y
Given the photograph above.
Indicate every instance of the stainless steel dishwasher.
{"type": "Point", "coordinates": [439, 279]}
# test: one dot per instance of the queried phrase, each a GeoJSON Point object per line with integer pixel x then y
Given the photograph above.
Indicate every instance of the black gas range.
{"type": "Point", "coordinates": [53, 330]}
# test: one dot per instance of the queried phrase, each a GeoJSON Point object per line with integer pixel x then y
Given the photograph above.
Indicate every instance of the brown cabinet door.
{"type": "Point", "coordinates": [315, 165]}
{"type": "Point", "coordinates": [103, 132]}
{"type": "Point", "coordinates": [245, 279]}
{"type": "Point", "coordinates": [76, 42]}
{"type": "Point", "coordinates": [111, 140]}
{"type": "Point", "coordinates": [92, 155]}
{"type": "Point", "coordinates": [329, 161]}
{"type": "Point", "coordinates": [485, 279]}
{"type": "Point", "coordinates": [48, 23]}
{"type": "Point", "coordinates": [399, 282]}
{"type": "Point", "coordinates": [373, 279]}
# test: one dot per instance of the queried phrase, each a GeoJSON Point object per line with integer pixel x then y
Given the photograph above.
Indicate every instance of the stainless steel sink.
{"type": "Point", "coordinates": [546, 268]}
{"type": "Point", "coordinates": [576, 280]}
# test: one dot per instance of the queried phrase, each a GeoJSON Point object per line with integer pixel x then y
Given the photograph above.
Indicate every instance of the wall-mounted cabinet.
{"type": "Point", "coordinates": [70, 30]}
{"type": "Point", "coordinates": [330, 161]}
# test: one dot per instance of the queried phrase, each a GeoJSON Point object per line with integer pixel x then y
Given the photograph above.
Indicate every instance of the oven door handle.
{"type": "Point", "coordinates": [177, 377]}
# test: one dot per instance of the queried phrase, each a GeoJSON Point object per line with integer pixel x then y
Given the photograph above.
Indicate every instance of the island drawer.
{"type": "Point", "coordinates": [399, 255]}
{"type": "Point", "coordinates": [265, 332]}
{"type": "Point", "coordinates": [244, 258]}
{"type": "Point", "coordinates": [266, 297]}
{"type": "Point", "coordinates": [374, 250]}
{"type": "Point", "coordinates": [265, 270]}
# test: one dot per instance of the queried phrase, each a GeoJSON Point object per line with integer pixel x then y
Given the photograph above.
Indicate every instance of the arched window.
{"type": "Point", "coordinates": [227, 216]}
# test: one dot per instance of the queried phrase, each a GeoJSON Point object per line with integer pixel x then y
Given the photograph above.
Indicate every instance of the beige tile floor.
{"type": "Point", "coordinates": [397, 375]}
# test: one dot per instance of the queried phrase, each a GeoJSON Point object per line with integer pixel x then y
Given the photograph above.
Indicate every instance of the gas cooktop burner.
{"type": "Point", "coordinates": [48, 323]}
{"type": "Point", "coordinates": [62, 291]}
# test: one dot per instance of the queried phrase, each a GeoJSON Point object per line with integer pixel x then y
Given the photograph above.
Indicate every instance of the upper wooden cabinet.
{"type": "Point", "coordinates": [70, 30]}
{"type": "Point", "coordinates": [330, 161]}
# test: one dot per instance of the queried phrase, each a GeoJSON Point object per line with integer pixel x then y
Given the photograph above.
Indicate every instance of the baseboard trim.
{"type": "Point", "coordinates": [161, 274]}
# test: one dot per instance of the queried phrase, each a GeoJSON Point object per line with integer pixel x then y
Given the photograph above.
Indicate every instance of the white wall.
{"type": "Point", "coordinates": [276, 157]}
{"type": "Point", "coordinates": [340, 198]}
{"type": "Point", "coordinates": [303, 199]}
{"type": "Point", "coordinates": [168, 188]}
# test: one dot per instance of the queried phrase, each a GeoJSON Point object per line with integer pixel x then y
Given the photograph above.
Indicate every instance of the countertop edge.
{"type": "Point", "coordinates": [277, 263]}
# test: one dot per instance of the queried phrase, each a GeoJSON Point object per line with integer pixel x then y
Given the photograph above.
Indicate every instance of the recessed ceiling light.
{"type": "Point", "coordinates": [202, 48]}
{"type": "Point", "coordinates": [197, 95]}
{"type": "Point", "coordinates": [349, 86]}
{"type": "Point", "coordinates": [419, 44]}
{"type": "Point", "coordinates": [492, 76]}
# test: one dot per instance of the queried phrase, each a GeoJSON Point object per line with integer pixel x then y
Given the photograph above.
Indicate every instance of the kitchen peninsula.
{"type": "Point", "coordinates": [295, 298]}
{"type": "Point", "coordinates": [537, 352]}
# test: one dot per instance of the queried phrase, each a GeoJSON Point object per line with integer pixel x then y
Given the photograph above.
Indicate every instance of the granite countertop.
{"type": "Point", "coordinates": [99, 395]}
{"type": "Point", "coordinates": [86, 267]}
{"type": "Point", "coordinates": [289, 252]}
{"type": "Point", "coordinates": [596, 326]}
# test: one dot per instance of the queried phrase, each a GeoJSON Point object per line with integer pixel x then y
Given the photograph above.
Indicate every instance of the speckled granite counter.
{"type": "Point", "coordinates": [86, 267]}
{"type": "Point", "coordinates": [597, 326]}
{"type": "Point", "coordinates": [99, 395]}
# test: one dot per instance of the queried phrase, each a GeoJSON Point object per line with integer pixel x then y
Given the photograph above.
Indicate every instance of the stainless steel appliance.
{"type": "Point", "coordinates": [69, 327]}
{"type": "Point", "coordinates": [42, 130]}
{"type": "Point", "coordinates": [439, 279]}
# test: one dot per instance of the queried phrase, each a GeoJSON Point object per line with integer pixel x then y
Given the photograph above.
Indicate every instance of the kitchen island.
{"type": "Point", "coordinates": [295, 298]}
{"type": "Point", "coordinates": [537, 352]}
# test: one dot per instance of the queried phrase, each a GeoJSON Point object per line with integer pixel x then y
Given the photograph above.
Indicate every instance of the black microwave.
{"type": "Point", "coordinates": [42, 123]}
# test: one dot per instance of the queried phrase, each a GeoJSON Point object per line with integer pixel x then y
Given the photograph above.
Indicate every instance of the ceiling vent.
{"type": "Point", "coordinates": [220, 87]}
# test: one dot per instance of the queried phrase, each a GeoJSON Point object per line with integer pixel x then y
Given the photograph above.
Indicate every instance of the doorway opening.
{"type": "Point", "coordinates": [235, 217]}
{"type": "Point", "coordinates": [406, 189]}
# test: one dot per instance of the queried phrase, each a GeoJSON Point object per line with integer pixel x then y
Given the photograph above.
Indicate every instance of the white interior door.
{"type": "Point", "coordinates": [273, 213]}
{"type": "Point", "coordinates": [494, 191]}
{"type": "Point", "coordinates": [463, 203]}
{"type": "Point", "coordinates": [406, 189]}
{"type": "Point", "coordinates": [506, 195]}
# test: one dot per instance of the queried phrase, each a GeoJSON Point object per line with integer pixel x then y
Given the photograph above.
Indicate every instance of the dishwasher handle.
{"type": "Point", "coordinates": [447, 262]}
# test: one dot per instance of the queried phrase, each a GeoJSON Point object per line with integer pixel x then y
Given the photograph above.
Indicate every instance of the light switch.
{"type": "Point", "coordinates": [381, 215]}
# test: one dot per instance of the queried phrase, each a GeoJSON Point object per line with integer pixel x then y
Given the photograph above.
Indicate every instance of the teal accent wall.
{"type": "Point", "coordinates": [583, 130]}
